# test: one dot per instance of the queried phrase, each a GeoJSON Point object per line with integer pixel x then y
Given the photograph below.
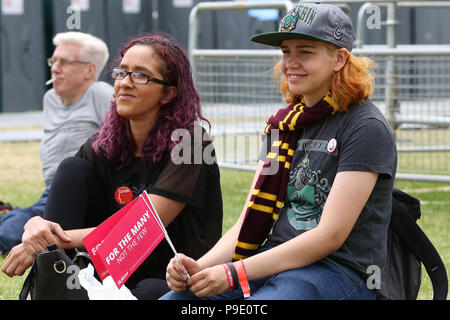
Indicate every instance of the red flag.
{"type": "Point", "coordinates": [131, 241]}
{"type": "Point", "coordinates": [95, 238]}
{"type": "Point", "coordinates": [121, 243]}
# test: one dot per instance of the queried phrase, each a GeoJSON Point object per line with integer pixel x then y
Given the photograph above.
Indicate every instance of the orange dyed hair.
{"type": "Point", "coordinates": [353, 83]}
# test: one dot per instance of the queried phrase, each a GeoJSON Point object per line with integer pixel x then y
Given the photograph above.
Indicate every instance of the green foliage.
{"type": "Point", "coordinates": [235, 187]}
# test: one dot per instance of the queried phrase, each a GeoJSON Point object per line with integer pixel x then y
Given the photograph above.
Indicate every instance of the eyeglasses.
{"type": "Point", "coordinates": [136, 77]}
{"type": "Point", "coordinates": [62, 61]}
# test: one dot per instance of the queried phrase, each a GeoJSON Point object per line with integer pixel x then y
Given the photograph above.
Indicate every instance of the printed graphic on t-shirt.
{"type": "Point", "coordinates": [307, 189]}
{"type": "Point", "coordinates": [306, 197]}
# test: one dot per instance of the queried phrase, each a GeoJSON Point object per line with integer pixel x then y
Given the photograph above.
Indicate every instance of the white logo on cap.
{"type": "Point", "coordinates": [337, 33]}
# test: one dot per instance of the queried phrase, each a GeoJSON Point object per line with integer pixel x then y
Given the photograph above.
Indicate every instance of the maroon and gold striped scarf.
{"type": "Point", "coordinates": [270, 189]}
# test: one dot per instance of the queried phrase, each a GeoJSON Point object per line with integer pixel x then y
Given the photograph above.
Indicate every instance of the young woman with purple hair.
{"type": "Point", "coordinates": [154, 96]}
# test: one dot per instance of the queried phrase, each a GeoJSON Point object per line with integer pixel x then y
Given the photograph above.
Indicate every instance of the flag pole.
{"type": "Point", "coordinates": [161, 225]}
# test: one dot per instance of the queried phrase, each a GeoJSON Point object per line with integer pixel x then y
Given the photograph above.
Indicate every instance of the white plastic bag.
{"type": "Point", "coordinates": [98, 291]}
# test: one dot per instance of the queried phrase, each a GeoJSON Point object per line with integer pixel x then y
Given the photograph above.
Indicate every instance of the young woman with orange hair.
{"type": "Point", "coordinates": [315, 221]}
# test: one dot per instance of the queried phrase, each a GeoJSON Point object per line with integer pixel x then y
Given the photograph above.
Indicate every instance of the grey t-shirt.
{"type": "Point", "coordinates": [67, 127]}
{"type": "Point", "coordinates": [357, 140]}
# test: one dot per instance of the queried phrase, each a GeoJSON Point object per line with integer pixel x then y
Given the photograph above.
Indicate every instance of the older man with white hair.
{"type": "Point", "coordinates": [73, 111]}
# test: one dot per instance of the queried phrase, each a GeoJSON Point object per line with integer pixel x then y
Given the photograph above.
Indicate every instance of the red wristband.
{"type": "Point", "coordinates": [242, 275]}
{"type": "Point", "coordinates": [229, 276]}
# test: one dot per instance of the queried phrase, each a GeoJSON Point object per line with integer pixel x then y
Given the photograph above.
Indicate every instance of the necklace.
{"type": "Point", "coordinates": [305, 162]}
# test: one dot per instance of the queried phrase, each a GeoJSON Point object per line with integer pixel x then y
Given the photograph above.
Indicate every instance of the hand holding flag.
{"type": "Point", "coordinates": [158, 219]}
{"type": "Point", "coordinates": [120, 244]}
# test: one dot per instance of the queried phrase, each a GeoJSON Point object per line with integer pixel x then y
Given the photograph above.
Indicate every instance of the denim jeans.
{"type": "Point", "coordinates": [12, 223]}
{"type": "Point", "coordinates": [322, 280]}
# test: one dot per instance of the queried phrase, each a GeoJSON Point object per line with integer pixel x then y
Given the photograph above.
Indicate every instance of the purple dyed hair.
{"type": "Point", "coordinates": [115, 141]}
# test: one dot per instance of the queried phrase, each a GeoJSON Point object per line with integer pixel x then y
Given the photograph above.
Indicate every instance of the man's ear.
{"type": "Point", "coordinates": [171, 93]}
{"type": "Point", "coordinates": [341, 58]}
{"type": "Point", "coordinates": [92, 68]}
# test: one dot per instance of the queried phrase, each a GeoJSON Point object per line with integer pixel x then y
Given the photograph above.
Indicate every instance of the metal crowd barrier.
{"type": "Point", "coordinates": [412, 89]}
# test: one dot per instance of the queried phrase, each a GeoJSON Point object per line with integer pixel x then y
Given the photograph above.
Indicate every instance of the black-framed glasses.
{"type": "Point", "coordinates": [63, 61]}
{"type": "Point", "coordinates": [136, 77]}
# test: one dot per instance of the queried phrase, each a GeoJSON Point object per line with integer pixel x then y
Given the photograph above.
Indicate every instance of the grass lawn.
{"type": "Point", "coordinates": [20, 177]}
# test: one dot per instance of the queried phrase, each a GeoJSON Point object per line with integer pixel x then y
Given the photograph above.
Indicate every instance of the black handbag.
{"type": "Point", "coordinates": [54, 275]}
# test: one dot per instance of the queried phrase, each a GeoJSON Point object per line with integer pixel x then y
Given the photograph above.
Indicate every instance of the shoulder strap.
{"type": "Point", "coordinates": [415, 239]}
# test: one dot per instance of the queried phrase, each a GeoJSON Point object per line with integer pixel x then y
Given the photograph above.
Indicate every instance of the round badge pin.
{"type": "Point", "coordinates": [123, 195]}
{"type": "Point", "coordinates": [331, 146]}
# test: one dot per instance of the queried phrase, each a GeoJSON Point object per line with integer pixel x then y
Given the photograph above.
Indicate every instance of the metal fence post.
{"type": "Point", "coordinates": [221, 6]}
{"type": "Point", "coordinates": [391, 72]}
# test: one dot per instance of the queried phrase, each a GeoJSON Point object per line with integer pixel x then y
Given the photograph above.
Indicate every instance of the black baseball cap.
{"type": "Point", "coordinates": [310, 21]}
